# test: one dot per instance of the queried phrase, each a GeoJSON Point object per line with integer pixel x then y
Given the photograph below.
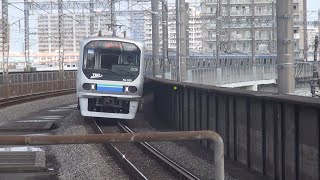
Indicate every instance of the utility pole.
{"type": "Point", "coordinates": [155, 36]}
{"type": "Point", "coordinates": [5, 46]}
{"type": "Point", "coordinates": [270, 41]}
{"type": "Point", "coordinates": [187, 35]}
{"type": "Point", "coordinates": [273, 28]}
{"type": "Point", "coordinates": [91, 8]}
{"type": "Point", "coordinates": [177, 62]}
{"type": "Point", "coordinates": [305, 31]}
{"type": "Point", "coordinates": [113, 18]}
{"type": "Point", "coordinates": [165, 36]}
{"type": "Point", "coordinates": [285, 40]}
{"type": "Point", "coordinates": [315, 79]}
{"type": "Point", "coordinates": [253, 34]}
{"type": "Point", "coordinates": [229, 28]}
{"type": "Point", "coordinates": [319, 28]}
{"type": "Point", "coordinates": [316, 46]}
{"type": "Point", "coordinates": [183, 42]}
{"type": "Point", "coordinates": [218, 27]}
{"type": "Point", "coordinates": [26, 35]}
{"type": "Point", "coordinates": [61, 38]}
{"type": "Point", "coordinates": [5, 38]}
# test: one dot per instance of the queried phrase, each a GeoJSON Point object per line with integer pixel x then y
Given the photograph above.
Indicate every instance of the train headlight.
{"type": "Point", "coordinates": [88, 86]}
{"type": "Point", "coordinates": [132, 89]}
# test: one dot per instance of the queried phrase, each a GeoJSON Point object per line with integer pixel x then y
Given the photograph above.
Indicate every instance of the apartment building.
{"type": "Point", "coordinates": [76, 26]}
{"type": "Point", "coordinates": [241, 20]}
{"type": "Point", "coordinates": [142, 28]}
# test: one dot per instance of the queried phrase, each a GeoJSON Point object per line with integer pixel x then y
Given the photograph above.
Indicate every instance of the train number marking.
{"type": "Point", "coordinates": [127, 80]}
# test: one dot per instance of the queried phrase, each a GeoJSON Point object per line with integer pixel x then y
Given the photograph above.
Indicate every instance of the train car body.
{"type": "Point", "coordinates": [110, 77]}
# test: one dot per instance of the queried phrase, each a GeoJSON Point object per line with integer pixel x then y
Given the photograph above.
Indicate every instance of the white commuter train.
{"type": "Point", "coordinates": [110, 77]}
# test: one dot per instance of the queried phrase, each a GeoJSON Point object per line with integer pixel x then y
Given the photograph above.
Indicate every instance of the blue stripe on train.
{"type": "Point", "coordinates": [109, 88]}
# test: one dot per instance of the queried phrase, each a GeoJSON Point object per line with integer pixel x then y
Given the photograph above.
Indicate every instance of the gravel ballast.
{"type": "Point", "coordinates": [83, 161]}
{"type": "Point", "coordinates": [70, 161]}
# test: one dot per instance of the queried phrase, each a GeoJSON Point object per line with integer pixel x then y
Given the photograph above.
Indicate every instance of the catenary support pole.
{"type": "Point", "coordinates": [285, 41]}
{"type": "Point", "coordinates": [177, 62]}
{"type": "Point", "coordinates": [61, 39]}
{"type": "Point", "coordinates": [91, 7]}
{"type": "Point", "coordinates": [218, 28]}
{"type": "Point", "coordinates": [26, 35]}
{"type": "Point", "coordinates": [183, 42]}
{"type": "Point", "coordinates": [155, 36]}
{"type": "Point", "coordinates": [187, 35]}
{"type": "Point", "coordinates": [165, 36]}
{"type": "Point", "coordinates": [113, 18]}
{"type": "Point", "coordinates": [305, 31]}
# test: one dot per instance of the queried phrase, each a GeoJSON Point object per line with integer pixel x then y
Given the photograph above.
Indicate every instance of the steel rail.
{"type": "Point", "coordinates": [135, 172]}
{"type": "Point", "coordinates": [186, 174]}
{"type": "Point", "coordinates": [125, 137]}
{"type": "Point", "coordinates": [4, 102]}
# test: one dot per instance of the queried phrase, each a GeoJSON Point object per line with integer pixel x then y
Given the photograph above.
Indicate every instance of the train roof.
{"type": "Point", "coordinates": [112, 38]}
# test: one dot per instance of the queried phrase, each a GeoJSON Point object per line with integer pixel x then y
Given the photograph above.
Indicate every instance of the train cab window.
{"type": "Point", "coordinates": [111, 60]}
{"type": "Point", "coordinates": [90, 62]}
{"type": "Point", "coordinates": [107, 60]}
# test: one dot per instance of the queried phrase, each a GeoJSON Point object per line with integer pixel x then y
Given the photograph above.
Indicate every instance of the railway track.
{"type": "Point", "coordinates": [29, 162]}
{"type": "Point", "coordinates": [21, 99]}
{"type": "Point", "coordinates": [141, 160]}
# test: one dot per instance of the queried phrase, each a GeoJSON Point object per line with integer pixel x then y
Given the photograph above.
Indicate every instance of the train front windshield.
{"type": "Point", "coordinates": [111, 60]}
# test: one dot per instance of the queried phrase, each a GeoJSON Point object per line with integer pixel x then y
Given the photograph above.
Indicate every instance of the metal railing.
{"type": "Point", "coordinates": [226, 71]}
{"type": "Point", "coordinates": [125, 137]}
